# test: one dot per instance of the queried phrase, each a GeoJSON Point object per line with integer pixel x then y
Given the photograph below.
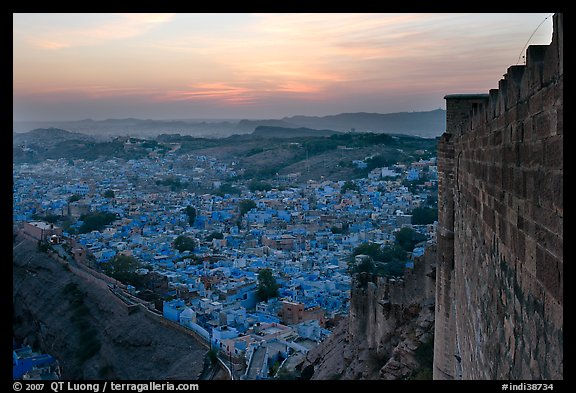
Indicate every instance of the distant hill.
{"type": "Point", "coordinates": [46, 137]}
{"type": "Point", "coordinates": [110, 128]}
{"type": "Point", "coordinates": [248, 126]}
{"type": "Point", "coordinates": [284, 132]}
{"type": "Point", "coordinates": [258, 156]}
{"type": "Point", "coordinates": [425, 124]}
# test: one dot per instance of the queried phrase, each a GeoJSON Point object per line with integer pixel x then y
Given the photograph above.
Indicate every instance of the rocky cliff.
{"type": "Point", "coordinates": [389, 331]}
{"type": "Point", "coordinates": [89, 330]}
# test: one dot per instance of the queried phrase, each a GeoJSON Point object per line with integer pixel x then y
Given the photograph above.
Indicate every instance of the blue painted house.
{"type": "Point", "coordinates": [171, 310]}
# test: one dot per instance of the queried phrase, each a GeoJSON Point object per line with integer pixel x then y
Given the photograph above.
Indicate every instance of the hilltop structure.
{"type": "Point", "coordinates": [499, 283]}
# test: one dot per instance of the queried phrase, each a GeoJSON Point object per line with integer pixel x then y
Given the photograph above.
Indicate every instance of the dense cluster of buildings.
{"type": "Point", "coordinates": [304, 233]}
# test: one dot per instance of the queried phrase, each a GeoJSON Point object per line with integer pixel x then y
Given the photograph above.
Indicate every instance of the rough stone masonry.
{"type": "Point", "coordinates": [499, 284]}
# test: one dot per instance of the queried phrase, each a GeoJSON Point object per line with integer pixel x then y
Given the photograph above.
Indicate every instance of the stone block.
{"type": "Point", "coordinates": [519, 181]}
{"type": "Point", "coordinates": [535, 155]}
{"type": "Point", "coordinates": [554, 152]}
{"type": "Point", "coordinates": [543, 125]}
{"type": "Point", "coordinates": [535, 103]}
{"type": "Point", "coordinates": [549, 98]}
{"type": "Point", "coordinates": [557, 193]}
{"type": "Point", "coordinates": [529, 130]}
{"type": "Point", "coordinates": [522, 110]}
{"type": "Point", "coordinates": [548, 273]}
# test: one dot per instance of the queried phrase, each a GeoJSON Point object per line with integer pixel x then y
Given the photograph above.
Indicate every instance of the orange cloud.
{"type": "Point", "coordinates": [210, 91]}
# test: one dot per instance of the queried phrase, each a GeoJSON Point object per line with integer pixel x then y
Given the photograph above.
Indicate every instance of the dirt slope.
{"type": "Point", "coordinates": [87, 328]}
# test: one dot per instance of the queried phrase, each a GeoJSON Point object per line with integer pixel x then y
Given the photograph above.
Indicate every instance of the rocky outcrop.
{"type": "Point", "coordinates": [91, 332]}
{"type": "Point", "coordinates": [389, 331]}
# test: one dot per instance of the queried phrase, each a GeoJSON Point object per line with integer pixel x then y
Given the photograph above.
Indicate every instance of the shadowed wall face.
{"type": "Point", "coordinates": [500, 271]}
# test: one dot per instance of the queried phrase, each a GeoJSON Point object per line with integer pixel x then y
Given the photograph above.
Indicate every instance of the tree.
{"type": "Point", "coordinates": [383, 261]}
{"type": "Point", "coordinates": [213, 356]}
{"type": "Point", "coordinates": [246, 205]}
{"type": "Point", "coordinates": [96, 221]}
{"type": "Point", "coordinates": [341, 230]}
{"type": "Point", "coordinates": [74, 198]}
{"type": "Point", "coordinates": [184, 243]}
{"type": "Point", "coordinates": [214, 235]}
{"type": "Point", "coordinates": [371, 249]}
{"type": "Point", "coordinates": [191, 213]}
{"type": "Point", "coordinates": [424, 215]}
{"type": "Point", "coordinates": [307, 372]}
{"type": "Point", "coordinates": [108, 194]}
{"type": "Point", "coordinates": [379, 161]}
{"type": "Point", "coordinates": [407, 238]}
{"type": "Point", "coordinates": [227, 188]}
{"type": "Point", "coordinates": [366, 265]}
{"type": "Point", "coordinates": [42, 247]}
{"type": "Point", "coordinates": [267, 285]}
{"type": "Point", "coordinates": [122, 268]}
{"type": "Point", "coordinates": [256, 185]}
{"type": "Point", "coordinates": [349, 185]}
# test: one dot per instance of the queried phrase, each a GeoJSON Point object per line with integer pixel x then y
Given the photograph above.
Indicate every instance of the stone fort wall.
{"type": "Point", "coordinates": [499, 280]}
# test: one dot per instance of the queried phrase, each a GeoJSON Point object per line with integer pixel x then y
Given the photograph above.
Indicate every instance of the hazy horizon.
{"type": "Point", "coordinates": [215, 120]}
{"type": "Point", "coordinates": [72, 67]}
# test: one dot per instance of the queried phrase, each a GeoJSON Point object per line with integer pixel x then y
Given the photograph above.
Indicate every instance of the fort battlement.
{"type": "Point", "coordinates": [499, 282]}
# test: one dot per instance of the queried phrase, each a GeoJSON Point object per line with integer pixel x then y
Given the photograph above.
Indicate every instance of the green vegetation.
{"type": "Point", "coordinates": [151, 144]}
{"type": "Point", "coordinates": [184, 243]}
{"type": "Point", "coordinates": [191, 213]}
{"type": "Point", "coordinates": [256, 185]}
{"type": "Point", "coordinates": [123, 268]}
{"type": "Point", "coordinates": [425, 356]}
{"type": "Point", "coordinates": [108, 194]}
{"type": "Point", "coordinates": [307, 372]}
{"type": "Point", "coordinates": [388, 261]}
{"type": "Point", "coordinates": [214, 235]}
{"type": "Point", "coordinates": [246, 205]}
{"type": "Point", "coordinates": [407, 238]}
{"type": "Point", "coordinates": [74, 198]}
{"type": "Point", "coordinates": [213, 356]}
{"type": "Point", "coordinates": [273, 369]}
{"type": "Point", "coordinates": [49, 218]}
{"type": "Point", "coordinates": [172, 182]}
{"type": "Point", "coordinates": [43, 246]}
{"type": "Point", "coordinates": [286, 375]}
{"type": "Point", "coordinates": [424, 215]}
{"type": "Point", "coordinates": [349, 185]}
{"type": "Point", "coordinates": [254, 151]}
{"type": "Point", "coordinates": [317, 146]}
{"type": "Point", "coordinates": [391, 148]}
{"type": "Point", "coordinates": [267, 285]}
{"type": "Point", "coordinates": [96, 221]}
{"type": "Point", "coordinates": [380, 161]}
{"type": "Point", "coordinates": [267, 172]}
{"type": "Point", "coordinates": [344, 229]}
{"type": "Point", "coordinates": [227, 188]}
{"type": "Point", "coordinates": [373, 250]}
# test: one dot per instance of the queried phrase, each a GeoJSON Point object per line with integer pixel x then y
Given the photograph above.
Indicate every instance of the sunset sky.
{"type": "Point", "coordinates": [208, 66]}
